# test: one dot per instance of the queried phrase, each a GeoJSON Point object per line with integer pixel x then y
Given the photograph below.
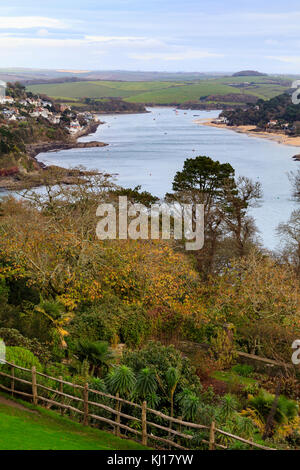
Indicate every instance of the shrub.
{"type": "Point", "coordinates": [22, 357]}
{"type": "Point", "coordinates": [286, 409]}
{"type": "Point", "coordinates": [163, 359]}
{"type": "Point", "coordinates": [289, 386]}
{"type": "Point", "coordinates": [111, 321]}
{"type": "Point", "coordinates": [13, 337]}
{"type": "Point", "coordinates": [223, 349]}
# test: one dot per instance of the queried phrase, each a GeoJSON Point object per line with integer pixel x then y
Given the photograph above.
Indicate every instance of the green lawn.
{"type": "Point", "coordinates": [230, 377]}
{"type": "Point", "coordinates": [46, 430]}
{"type": "Point", "coordinates": [162, 92]}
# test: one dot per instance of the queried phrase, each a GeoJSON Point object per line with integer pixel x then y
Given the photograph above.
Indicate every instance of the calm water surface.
{"type": "Point", "coordinates": [148, 149]}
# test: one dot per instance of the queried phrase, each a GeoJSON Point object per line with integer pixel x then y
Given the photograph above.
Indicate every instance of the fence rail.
{"type": "Point", "coordinates": [143, 423]}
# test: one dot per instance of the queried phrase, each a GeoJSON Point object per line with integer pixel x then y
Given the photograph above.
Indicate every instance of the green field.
{"type": "Point", "coordinates": [163, 92]}
{"type": "Point", "coordinates": [22, 429]}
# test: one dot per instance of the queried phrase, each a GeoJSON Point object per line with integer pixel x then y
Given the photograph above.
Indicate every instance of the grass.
{"type": "Point", "coordinates": [162, 92]}
{"type": "Point", "coordinates": [232, 377]}
{"type": "Point", "coordinates": [182, 93]}
{"type": "Point", "coordinates": [46, 430]}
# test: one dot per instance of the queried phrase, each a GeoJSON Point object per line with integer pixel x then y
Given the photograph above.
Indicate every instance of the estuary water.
{"type": "Point", "coordinates": [148, 149]}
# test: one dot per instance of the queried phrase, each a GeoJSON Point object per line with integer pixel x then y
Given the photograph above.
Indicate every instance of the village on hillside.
{"type": "Point", "coordinates": [20, 108]}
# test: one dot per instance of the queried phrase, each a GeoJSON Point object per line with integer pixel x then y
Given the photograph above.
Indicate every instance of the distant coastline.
{"type": "Point", "coordinates": [278, 137]}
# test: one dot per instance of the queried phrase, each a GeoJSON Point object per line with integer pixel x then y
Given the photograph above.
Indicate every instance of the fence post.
{"type": "Point", "coordinates": [118, 417]}
{"type": "Point", "coordinates": [34, 386]}
{"type": "Point", "coordinates": [212, 436]}
{"type": "Point", "coordinates": [86, 404]}
{"type": "Point", "coordinates": [61, 389]}
{"type": "Point", "coordinates": [12, 386]}
{"type": "Point", "coordinates": [144, 423]}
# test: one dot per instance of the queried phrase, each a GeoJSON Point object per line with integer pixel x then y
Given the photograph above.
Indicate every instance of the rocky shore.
{"type": "Point", "coordinates": [34, 149]}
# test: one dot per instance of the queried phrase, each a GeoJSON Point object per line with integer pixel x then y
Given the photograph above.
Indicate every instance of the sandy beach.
{"type": "Point", "coordinates": [249, 130]}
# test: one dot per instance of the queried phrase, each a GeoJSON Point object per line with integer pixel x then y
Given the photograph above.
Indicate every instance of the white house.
{"type": "Point", "coordinates": [8, 100]}
{"type": "Point", "coordinates": [34, 102]}
{"type": "Point", "coordinates": [74, 127]}
{"type": "Point", "coordinates": [55, 119]}
{"type": "Point", "coordinates": [46, 103]}
{"type": "Point", "coordinates": [43, 112]}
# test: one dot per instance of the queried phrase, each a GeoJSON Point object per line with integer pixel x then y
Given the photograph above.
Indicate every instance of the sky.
{"type": "Point", "coordinates": [164, 35]}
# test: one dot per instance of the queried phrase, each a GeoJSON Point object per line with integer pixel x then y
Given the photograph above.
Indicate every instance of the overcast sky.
{"type": "Point", "coordinates": [166, 35]}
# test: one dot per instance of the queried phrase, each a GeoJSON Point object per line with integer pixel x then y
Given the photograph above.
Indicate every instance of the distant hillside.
{"type": "Point", "coordinates": [42, 75]}
{"type": "Point", "coordinates": [107, 106]}
{"type": "Point", "coordinates": [171, 93]}
{"type": "Point", "coordinates": [249, 73]}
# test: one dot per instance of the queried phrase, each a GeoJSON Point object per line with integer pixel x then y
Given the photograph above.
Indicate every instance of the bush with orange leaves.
{"type": "Point", "coordinates": [262, 299]}
{"type": "Point", "coordinates": [75, 268]}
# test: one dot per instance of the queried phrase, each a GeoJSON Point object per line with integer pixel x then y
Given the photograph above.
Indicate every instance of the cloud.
{"type": "Point", "coordinates": [272, 42]}
{"type": "Point", "coordinates": [13, 39]}
{"type": "Point", "coordinates": [114, 38]}
{"type": "Point", "coordinates": [29, 22]}
{"type": "Point", "coordinates": [286, 59]}
{"type": "Point", "coordinates": [15, 42]}
{"type": "Point", "coordinates": [237, 24]}
{"type": "Point", "coordinates": [43, 32]}
{"type": "Point", "coordinates": [169, 56]}
{"type": "Point", "coordinates": [137, 41]}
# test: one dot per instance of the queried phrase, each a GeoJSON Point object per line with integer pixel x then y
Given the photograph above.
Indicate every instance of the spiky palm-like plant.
{"type": "Point", "coordinates": [121, 380]}
{"type": "Point", "coordinates": [190, 404]}
{"type": "Point", "coordinates": [146, 383]}
{"type": "Point", "coordinates": [228, 408]}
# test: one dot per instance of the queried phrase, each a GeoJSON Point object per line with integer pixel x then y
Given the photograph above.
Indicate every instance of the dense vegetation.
{"type": "Point", "coordinates": [279, 109]}
{"type": "Point", "coordinates": [69, 303]}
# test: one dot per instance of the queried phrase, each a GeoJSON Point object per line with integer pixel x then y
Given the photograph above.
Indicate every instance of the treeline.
{"type": "Point", "coordinates": [108, 105]}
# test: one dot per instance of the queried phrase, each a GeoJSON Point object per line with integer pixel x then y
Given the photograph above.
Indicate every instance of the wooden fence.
{"type": "Point", "coordinates": [85, 408]}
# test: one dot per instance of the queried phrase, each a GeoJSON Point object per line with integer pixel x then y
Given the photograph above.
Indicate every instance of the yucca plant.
{"type": "Point", "coordinates": [189, 404]}
{"type": "Point", "coordinates": [121, 380]}
{"type": "Point", "coordinates": [146, 383]}
{"type": "Point", "coordinates": [228, 408]}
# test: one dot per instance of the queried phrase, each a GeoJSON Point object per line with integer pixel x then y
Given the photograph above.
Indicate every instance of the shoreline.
{"type": "Point", "coordinates": [279, 138]}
